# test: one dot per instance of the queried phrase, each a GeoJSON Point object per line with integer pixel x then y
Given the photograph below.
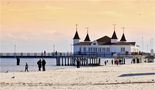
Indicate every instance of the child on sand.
{"type": "Point", "coordinates": [26, 67]}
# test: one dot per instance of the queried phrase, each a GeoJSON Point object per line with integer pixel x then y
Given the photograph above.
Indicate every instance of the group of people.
{"type": "Point", "coordinates": [41, 64]}
{"type": "Point", "coordinates": [116, 62]}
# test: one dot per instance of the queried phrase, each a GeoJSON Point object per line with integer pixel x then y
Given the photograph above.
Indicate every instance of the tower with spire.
{"type": "Point", "coordinates": [87, 39]}
{"type": "Point", "coordinates": [114, 36]}
{"type": "Point", "coordinates": [76, 38]}
{"type": "Point", "coordinates": [123, 39]}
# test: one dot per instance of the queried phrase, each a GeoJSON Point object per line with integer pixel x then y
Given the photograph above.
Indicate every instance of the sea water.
{"type": "Point", "coordinates": [10, 64]}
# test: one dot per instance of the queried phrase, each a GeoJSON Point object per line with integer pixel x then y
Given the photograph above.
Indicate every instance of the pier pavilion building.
{"type": "Point", "coordinates": [104, 46]}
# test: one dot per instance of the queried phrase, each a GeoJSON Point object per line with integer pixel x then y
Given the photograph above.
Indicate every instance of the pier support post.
{"type": "Point", "coordinates": [87, 61]}
{"type": "Point", "coordinates": [72, 61]}
{"type": "Point", "coordinates": [82, 61]}
{"type": "Point", "coordinates": [62, 61]}
{"type": "Point", "coordinates": [94, 61]}
{"type": "Point", "coordinates": [65, 61]}
{"type": "Point", "coordinates": [18, 61]}
{"type": "Point", "coordinates": [68, 61]}
{"type": "Point", "coordinates": [91, 61]}
{"type": "Point", "coordinates": [58, 61]}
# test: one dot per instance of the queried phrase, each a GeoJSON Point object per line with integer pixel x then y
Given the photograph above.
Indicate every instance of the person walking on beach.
{"type": "Point", "coordinates": [117, 62]}
{"type": "Point", "coordinates": [78, 63]}
{"type": "Point", "coordinates": [26, 67]}
{"type": "Point", "coordinates": [43, 64]}
{"type": "Point", "coordinates": [105, 63]}
{"type": "Point", "coordinates": [39, 64]}
{"type": "Point", "coordinates": [120, 61]}
{"type": "Point", "coordinates": [124, 61]}
{"type": "Point", "coordinates": [112, 62]}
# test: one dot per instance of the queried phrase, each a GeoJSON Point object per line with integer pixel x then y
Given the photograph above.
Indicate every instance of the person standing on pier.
{"type": "Point", "coordinates": [26, 67]}
{"type": "Point", "coordinates": [39, 64]}
{"type": "Point", "coordinates": [43, 64]}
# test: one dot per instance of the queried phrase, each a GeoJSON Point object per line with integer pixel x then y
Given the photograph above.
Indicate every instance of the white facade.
{"type": "Point", "coordinates": [75, 41]}
{"type": "Point", "coordinates": [105, 46]}
{"type": "Point", "coordinates": [105, 49]}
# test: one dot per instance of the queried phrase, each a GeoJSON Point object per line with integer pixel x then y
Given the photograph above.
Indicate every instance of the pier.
{"type": "Point", "coordinates": [69, 59]}
{"type": "Point", "coordinates": [62, 59]}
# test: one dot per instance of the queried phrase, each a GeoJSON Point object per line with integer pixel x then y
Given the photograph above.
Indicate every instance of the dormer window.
{"type": "Point", "coordinates": [94, 43]}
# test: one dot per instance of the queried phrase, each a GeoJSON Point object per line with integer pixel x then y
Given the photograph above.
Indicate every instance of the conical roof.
{"type": "Point", "coordinates": [87, 38]}
{"type": "Point", "coordinates": [76, 36]}
{"type": "Point", "coordinates": [123, 38]}
{"type": "Point", "coordinates": [114, 36]}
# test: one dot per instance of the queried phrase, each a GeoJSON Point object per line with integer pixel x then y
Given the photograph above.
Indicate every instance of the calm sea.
{"type": "Point", "coordinates": [9, 64]}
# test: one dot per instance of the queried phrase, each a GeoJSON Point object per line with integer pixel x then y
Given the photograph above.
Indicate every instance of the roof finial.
{"type": "Point", "coordinates": [114, 36]}
{"type": "Point", "coordinates": [123, 36]}
{"type": "Point", "coordinates": [87, 29]}
{"type": "Point", "coordinates": [87, 36]}
{"type": "Point", "coordinates": [76, 25]}
{"type": "Point", "coordinates": [123, 29]}
{"type": "Point", "coordinates": [114, 26]}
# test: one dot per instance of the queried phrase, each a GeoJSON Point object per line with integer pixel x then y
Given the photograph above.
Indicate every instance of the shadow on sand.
{"type": "Point", "coordinates": [136, 74]}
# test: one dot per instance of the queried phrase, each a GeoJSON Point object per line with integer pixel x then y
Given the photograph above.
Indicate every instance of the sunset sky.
{"type": "Point", "coordinates": [37, 25]}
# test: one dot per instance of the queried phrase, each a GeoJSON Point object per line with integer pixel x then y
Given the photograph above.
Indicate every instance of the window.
{"type": "Point", "coordinates": [108, 49]}
{"type": "Point", "coordinates": [93, 49]}
{"type": "Point", "coordinates": [84, 49]}
{"type": "Point", "coordinates": [89, 49]}
{"type": "Point", "coordinates": [122, 49]}
{"type": "Point", "coordinates": [103, 49]}
{"type": "Point", "coordinates": [80, 49]}
{"type": "Point", "coordinates": [94, 43]}
{"type": "Point", "coordinates": [99, 49]}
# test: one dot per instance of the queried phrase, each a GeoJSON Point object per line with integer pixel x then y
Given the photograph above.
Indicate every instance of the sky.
{"type": "Point", "coordinates": [38, 25]}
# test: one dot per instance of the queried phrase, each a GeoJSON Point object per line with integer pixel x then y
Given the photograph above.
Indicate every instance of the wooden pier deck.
{"type": "Point", "coordinates": [62, 59]}
{"type": "Point", "coordinates": [66, 59]}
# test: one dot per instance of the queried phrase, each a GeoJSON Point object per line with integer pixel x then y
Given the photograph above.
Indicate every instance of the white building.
{"type": "Point", "coordinates": [104, 45]}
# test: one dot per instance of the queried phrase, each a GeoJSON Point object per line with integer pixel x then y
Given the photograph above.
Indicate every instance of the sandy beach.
{"type": "Point", "coordinates": [112, 77]}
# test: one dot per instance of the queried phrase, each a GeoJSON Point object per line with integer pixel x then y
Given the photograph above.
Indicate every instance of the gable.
{"type": "Point", "coordinates": [103, 40]}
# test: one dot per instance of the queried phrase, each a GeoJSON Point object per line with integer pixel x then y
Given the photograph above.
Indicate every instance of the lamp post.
{"type": "Point", "coordinates": [53, 47]}
{"type": "Point", "coordinates": [15, 50]}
